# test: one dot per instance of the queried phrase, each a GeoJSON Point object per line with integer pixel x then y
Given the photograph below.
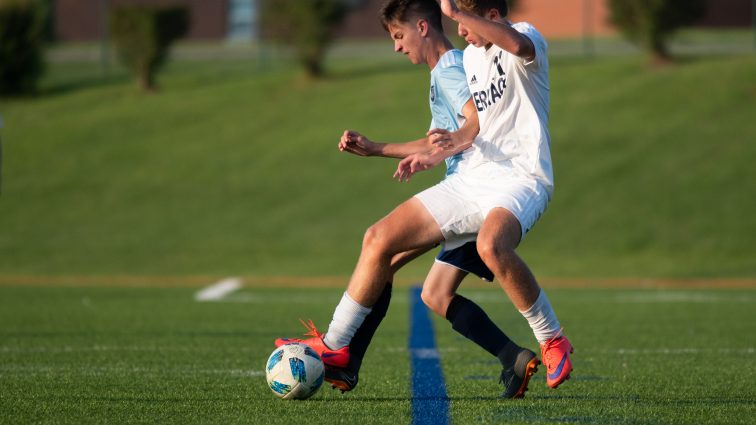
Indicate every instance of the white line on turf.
{"type": "Point", "coordinates": [10, 349]}
{"type": "Point", "coordinates": [218, 290]}
{"type": "Point", "coordinates": [104, 370]}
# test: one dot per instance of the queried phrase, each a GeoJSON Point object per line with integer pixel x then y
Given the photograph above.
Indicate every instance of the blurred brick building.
{"type": "Point", "coordinates": [84, 20]}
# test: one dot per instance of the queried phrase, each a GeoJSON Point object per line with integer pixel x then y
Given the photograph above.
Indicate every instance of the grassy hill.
{"type": "Point", "coordinates": [234, 170]}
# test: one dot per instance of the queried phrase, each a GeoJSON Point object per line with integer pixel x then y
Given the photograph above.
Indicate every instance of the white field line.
{"type": "Point", "coordinates": [6, 349]}
{"type": "Point", "coordinates": [656, 297]}
{"type": "Point", "coordinates": [287, 298]}
{"type": "Point", "coordinates": [100, 370]}
{"type": "Point", "coordinates": [218, 290]}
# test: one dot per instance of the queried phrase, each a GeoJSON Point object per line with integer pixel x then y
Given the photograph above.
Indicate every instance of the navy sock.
{"type": "Point", "coordinates": [361, 339]}
{"type": "Point", "coordinates": [472, 322]}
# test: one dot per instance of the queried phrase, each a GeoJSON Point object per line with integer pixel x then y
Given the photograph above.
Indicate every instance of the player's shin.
{"type": "Point", "coordinates": [347, 318]}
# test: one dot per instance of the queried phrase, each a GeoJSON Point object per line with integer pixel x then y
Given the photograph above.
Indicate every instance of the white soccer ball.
{"type": "Point", "coordinates": [294, 371]}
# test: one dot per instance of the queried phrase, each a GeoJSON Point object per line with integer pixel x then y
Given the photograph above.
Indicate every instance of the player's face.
{"type": "Point", "coordinates": [407, 41]}
{"type": "Point", "coordinates": [474, 38]}
{"type": "Point", "coordinates": [471, 37]}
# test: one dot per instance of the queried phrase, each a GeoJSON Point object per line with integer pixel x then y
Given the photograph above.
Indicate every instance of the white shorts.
{"type": "Point", "coordinates": [461, 202]}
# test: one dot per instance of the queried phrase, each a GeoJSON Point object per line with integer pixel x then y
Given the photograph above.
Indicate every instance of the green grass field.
{"type": "Point", "coordinates": [106, 354]}
{"type": "Point", "coordinates": [233, 169]}
{"type": "Point", "coordinates": [117, 206]}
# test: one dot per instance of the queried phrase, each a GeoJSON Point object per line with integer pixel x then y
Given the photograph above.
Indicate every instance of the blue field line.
{"type": "Point", "coordinates": [430, 404]}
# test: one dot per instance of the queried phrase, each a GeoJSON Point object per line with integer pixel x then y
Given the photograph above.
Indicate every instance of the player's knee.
{"type": "Point", "coordinates": [487, 250]}
{"type": "Point", "coordinates": [375, 240]}
{"type": "Point", "coordinates": [494, 255]}
{"type": "Point", "coordinates": [428, 299]}
{"type": "Point", "coordinates": [435, 301]}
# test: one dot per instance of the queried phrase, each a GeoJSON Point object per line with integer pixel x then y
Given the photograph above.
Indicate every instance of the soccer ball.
{"type": "Point", "coordinates": [294, 371]}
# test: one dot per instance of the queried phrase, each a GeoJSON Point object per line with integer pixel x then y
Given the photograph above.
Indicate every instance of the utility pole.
{"type": "Point", "coordinates": [588, 47]}
{"type": "Point", "coordinates": [753, 22]}
{"type": "Point", "coordinates": [1, 157]}
{"type": "Point", "coordinates": [104, 40]}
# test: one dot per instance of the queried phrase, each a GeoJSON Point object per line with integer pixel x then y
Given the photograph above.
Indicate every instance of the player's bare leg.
{"type": "Point", "coordinates": [441, 286]}
{"type": "Point", "coordinates": [401, 259]}
{"type": "Point", "coordinates": [497, 240]}
{"type": "Point", "coordinates": [409, 227]}
{"type": "Point", "coordinates": [346, 378]}
{"type": "Point", "coordinates": [468, 319]}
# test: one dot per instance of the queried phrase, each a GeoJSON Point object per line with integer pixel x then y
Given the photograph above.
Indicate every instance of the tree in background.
{"type": "Point", "coordinates": [23, 34]}
{"type": "Point", "coordinates": [307, 26]}
{"type": "Point", "coordinates": [651, 23]}
{"type": "Point", "coordinates": [143, 35]}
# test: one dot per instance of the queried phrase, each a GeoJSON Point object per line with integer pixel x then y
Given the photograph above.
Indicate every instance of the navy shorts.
{"type": "Point", "coordinates": [466, 258]}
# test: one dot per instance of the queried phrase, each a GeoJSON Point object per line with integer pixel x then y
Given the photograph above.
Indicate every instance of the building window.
{"type": "Point", "coordinates": [242, 20]}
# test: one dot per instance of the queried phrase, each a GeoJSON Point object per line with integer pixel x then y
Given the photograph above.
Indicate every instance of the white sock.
{"type": "Point", "coordinates": [542, 319]}
{"type": "Point", "coordinates": [347, 317]}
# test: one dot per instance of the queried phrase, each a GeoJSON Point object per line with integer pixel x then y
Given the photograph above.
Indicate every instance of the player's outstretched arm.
{"type": "Point", "coordinates": [357, 144]}
{"type": "Point", "coordinates": [499, 33]}
{"type": "Point", "coordinates": [446, 144]}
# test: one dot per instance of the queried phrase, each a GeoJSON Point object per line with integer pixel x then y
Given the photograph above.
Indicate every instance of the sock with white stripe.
{"type": "Point", "coordinates": [542, 319]}
{"type": "Point", "coordinates": [347, 318]}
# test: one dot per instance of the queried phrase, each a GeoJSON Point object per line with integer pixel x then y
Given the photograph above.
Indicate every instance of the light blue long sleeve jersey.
{"type": "Point", "coordinates": [448, 94]}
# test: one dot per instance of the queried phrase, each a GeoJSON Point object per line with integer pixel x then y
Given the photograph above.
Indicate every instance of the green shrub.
{"type": "Point", "coordinates": [307, 26]}
{"type": "Point", "coordinates": [143, 36]}
{"type": "Point", "coordinates": [650, 23]}
{"type": "Point", "coordinates": [22, 38]}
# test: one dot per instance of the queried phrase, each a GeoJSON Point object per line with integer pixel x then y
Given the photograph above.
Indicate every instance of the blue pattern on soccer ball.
{"type": "Point", "coordinates": [298, 371]}
{"type": "Point", "coordinates": [280, 388]}
{"type": "Point", "coordinates": [319, 381]}
{"type": "Point", "coordinates": [274, 359]}
{"type": "Point", "coordinates": [310, 352]}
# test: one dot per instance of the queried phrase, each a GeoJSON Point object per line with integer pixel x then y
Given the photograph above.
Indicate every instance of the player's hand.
{"type": "Point", "coordinates": [415, 163]}
{"type": "Point", "coordinates": [448, 7]}
{"type": "Point", "coordinates": [357, 144]}
{"type": "Point", "coordinates": [443, 139]}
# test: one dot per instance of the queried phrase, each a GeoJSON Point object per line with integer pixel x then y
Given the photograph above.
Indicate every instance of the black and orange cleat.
{"type": "Point", "coordinates": [516, 378]}
{"type": "Point", "coordinates": [341, 378]}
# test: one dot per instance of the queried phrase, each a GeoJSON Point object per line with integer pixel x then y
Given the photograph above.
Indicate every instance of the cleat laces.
{"type": "Point", "coordinates": [546, 354]}
{"type": "Point", "coordinates": [311, 329]}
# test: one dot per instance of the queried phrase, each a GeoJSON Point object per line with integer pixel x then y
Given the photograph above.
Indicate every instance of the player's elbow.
{"type": "Point", "coordinates": [525, 49]}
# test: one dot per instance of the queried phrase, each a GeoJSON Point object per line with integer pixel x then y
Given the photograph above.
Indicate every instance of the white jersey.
{"type": "Point", "coordinates": [512, 99]}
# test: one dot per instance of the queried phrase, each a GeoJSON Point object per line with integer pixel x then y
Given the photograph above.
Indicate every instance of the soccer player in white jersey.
{"type": "Point", "coordinates": [508, 178]}
{"type": "Point", "coordinates": [415, 27]}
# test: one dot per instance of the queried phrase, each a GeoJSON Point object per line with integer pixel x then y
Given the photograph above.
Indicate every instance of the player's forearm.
{"type": "Point", "coordinates": [403, 150]}
{"type": "Point", "coordinates": [498, 33]}
{"type": "Point", "coordinates": [466, 134]}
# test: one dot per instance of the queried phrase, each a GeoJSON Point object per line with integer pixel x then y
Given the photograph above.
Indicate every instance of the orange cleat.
{"type": "Point", "coordinates": [555, 354]}
{"type": "Point", "coordinates": [336, 358]}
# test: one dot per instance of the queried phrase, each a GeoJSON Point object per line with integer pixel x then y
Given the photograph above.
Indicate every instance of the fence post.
{"type": "Point", "coordinates": [1, 155]}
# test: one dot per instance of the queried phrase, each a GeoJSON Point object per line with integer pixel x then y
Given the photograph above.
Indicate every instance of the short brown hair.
{"type": "Point", "coordinates": [480, 7]}
{"type": "Point", "coordinates": [404, 10]}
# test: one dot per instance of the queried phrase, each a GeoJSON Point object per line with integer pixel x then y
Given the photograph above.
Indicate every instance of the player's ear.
{"type": "Point", "coordinates": [422, 27]}
{"type": "Point", "coordinates": [493, 14]}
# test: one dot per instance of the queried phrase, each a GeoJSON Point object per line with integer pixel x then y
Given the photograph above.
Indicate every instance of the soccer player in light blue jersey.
{"type": "Point", "coordinates": [415, 27]}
